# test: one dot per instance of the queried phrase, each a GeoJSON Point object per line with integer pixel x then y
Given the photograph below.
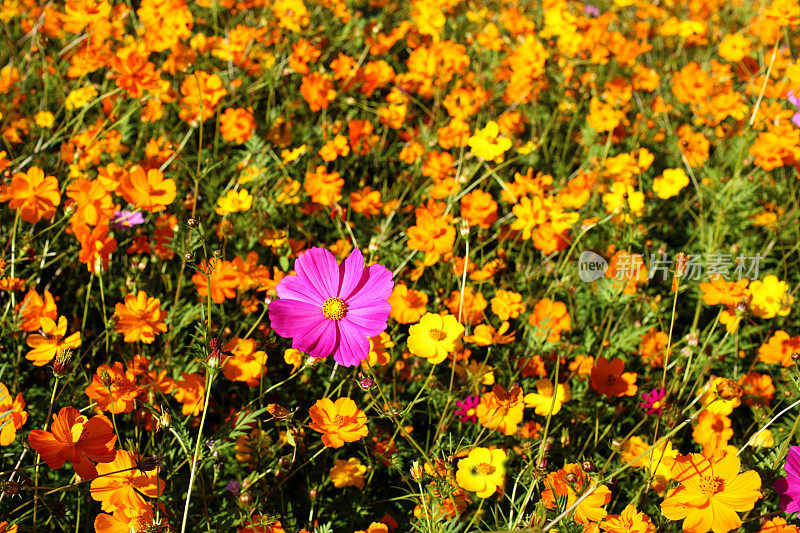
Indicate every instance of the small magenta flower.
{"type": "Point", "coordinates": [465, 410]}
{"type": "Point", "coordinates": [127, 219]}
{"type": "Point", "coordinates": [788, 487]}
{"type": "Point", "coordinates": [652, 403]}
{"type": "Point", "coordinates": [332, 309]}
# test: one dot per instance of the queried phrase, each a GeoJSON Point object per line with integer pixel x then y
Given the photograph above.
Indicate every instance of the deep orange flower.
{"type": "Point", "coordinates": [123, 486]}
{"type": "Point", "coordinates": [35, 195]}
{"type": "Point", "coordinates": [149, 191]}
{"type": "Point", "coordinates": [113, 389]}
{"type": "Point", "coordinates": [470, 308]}
{"type": "Point", "coordinates": [608, 378]}
{"type": "Point", "coordinates": [223, 280]}
{"type": "Point", "coordinates": [47, 344]}
{"type": "Point", "coordinates": [190, 391]}
{"type": "Point", "coordinates": [96, 247]}
{"type": "Point", "coordinates": [237, 124]}
{"type": "Point", "coordinates": [76, 439]}
{"type": "Point", "coordinates": [317, 89]}
{"type": "Point", "coordinates": [12, 415]}
{"type": "Point", "coordinates": [33, 307]}
{"type": "Point", "coordinates": [140, 318]}
{"type": "Point", "coordinates": [339, 422]}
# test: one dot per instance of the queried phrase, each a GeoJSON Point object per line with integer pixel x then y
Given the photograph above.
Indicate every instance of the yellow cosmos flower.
{"type": "Point", "coordinates": [546, 396]}
{"type": "Point", "coordinates": [482, 471]}
{"type": "Point", "coordinates": [770, 297]}
{"type": "Point", "coordinates": [434, 337]}
{"type": "Point", "coordinates": [670, 183]}
{"type": "Point", "coordinates": [234, 202]}
{"type": "Point", "coordinates": [487, 145]}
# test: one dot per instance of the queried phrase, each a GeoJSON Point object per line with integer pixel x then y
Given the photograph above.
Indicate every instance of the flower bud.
{"type": "Point", "coordinates": [728, 389]}
{"type": "Point", "coordinates": [61, 362]}
{"type": "Point", "coordinates": [192, 223]}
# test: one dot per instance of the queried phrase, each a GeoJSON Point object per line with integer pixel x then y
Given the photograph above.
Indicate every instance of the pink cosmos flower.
{"type": "Point", "coordinates": [332, 309]}
{"type": "Point", "coordinates": [653, 401]}
{"type": "Point", "coordinates": [465, 410]}
{"type": "Point", "coordinates": [788, 487]}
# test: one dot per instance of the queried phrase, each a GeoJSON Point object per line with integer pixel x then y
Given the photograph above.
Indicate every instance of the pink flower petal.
{"type": "Point", "coordinates": [370, 320]}
{"type": "Point", "coordinates": [376, 285]}
{"type": "Point", "coordinates": [294, 287]}
{"type": "Point", "coordinates": [320, 340]}
{"type": "Point", "coordinates": [320, 268]}
{"type": "Point", "coordinates": [353, 346]}
{"type": "Point", "coordinates": [351, 272]}
{"type": "Point", "coordinates": [290, 317]}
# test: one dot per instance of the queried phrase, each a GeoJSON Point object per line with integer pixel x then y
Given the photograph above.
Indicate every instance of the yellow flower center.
{"type": "Point", "coordinates": [334, 308]}
{"type": "Point", "coordinates": [471, 412]}
{"type": "Point", "coordinates": [338, 420]}
{"type": "Point", "coordinates": [656, 405]}
{"type": "Point", "coordinates": [437, 334]}
{"type": "Point", "coordinates": [711, 485]}
{"type": "Point", "coordinates": [485, 469]}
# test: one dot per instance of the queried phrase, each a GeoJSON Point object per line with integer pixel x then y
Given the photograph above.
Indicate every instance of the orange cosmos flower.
{"type": "Point", "coordinates": [95, 205]}
{"type": "Point", "coordinates": [247, 363]}
{"type": "Point", "coordinates": [34, 307]}
{"type": "Point", "coordinates": [35, 195]}
{"type": "Point", "coordinates": [200, 94]}
{"type": "Point", "coordinates": [12, 415]}
{"type": "Point", "coordinates": [47, 344]}
{"type": "Point", "coordinates": [190, 392]}
{"type": "Point", "coordinates": [408, 305]}
{"type": "Point", "coordinates": [223, 280]}
{"type": "Point", "coordinates": [507, 304]}
{"type": "Point", "coordinates": [711, 492]}
{"type": "Point", "coordinates": [237, 124]}
{"type": "Point", "coordinates": [471, 306]}
{"type": "Point", "coordinates": [339, 422]}
{"type": "Point", "coordinates": [76, 439]}
{"type": "Point", "coordinates": [124, 521]}
{"type": "Point", "coordinates": [571, 482]}
{"type": "Point", "coordinates": [608, 379]}
{"type": "Point", "coordinates": [113, 389]}
{"type": "Point", "coordinates": [501, 410]}
{"type": "Point", "coordinates": [317, 89]}
{"type": "Point", "coordinates": [123, 486]}
{"type": "Point", "coordinates": [149, 191]}
{"type": "Point", "coordinates": [96, 247]}
{"type": "Point", "coordinates": [550, 319]}
{"type": "Point", "coordinates": [479, 208]}
{"type": "Point", "coordinates": [630, 521]}
{"type": "Point", "coordinates": [5, 527]}
{"type": "Point", "coordinates": [140, 318]}
{"type": "Point", "coordinates": [779, 349]}
{"type": "Point", "coordinates": [133, 72]}
{"type": "Point", "coordinates": [323, 187]}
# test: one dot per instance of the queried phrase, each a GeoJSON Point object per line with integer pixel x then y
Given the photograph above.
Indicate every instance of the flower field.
{"type": "Point", "coordinates": [364, 266]}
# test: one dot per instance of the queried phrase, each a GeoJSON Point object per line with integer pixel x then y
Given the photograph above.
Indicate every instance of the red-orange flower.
{"type": "Point", "coordinates": [608, 378]}
{"type": "Point", "coordinates": [76, 439]}
{"type": "Point", "coordinates": [113, 389]}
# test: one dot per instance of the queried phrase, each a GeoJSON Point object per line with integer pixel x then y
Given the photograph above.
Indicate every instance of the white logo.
{"type": "Point", "coordinates": [591, 266]}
